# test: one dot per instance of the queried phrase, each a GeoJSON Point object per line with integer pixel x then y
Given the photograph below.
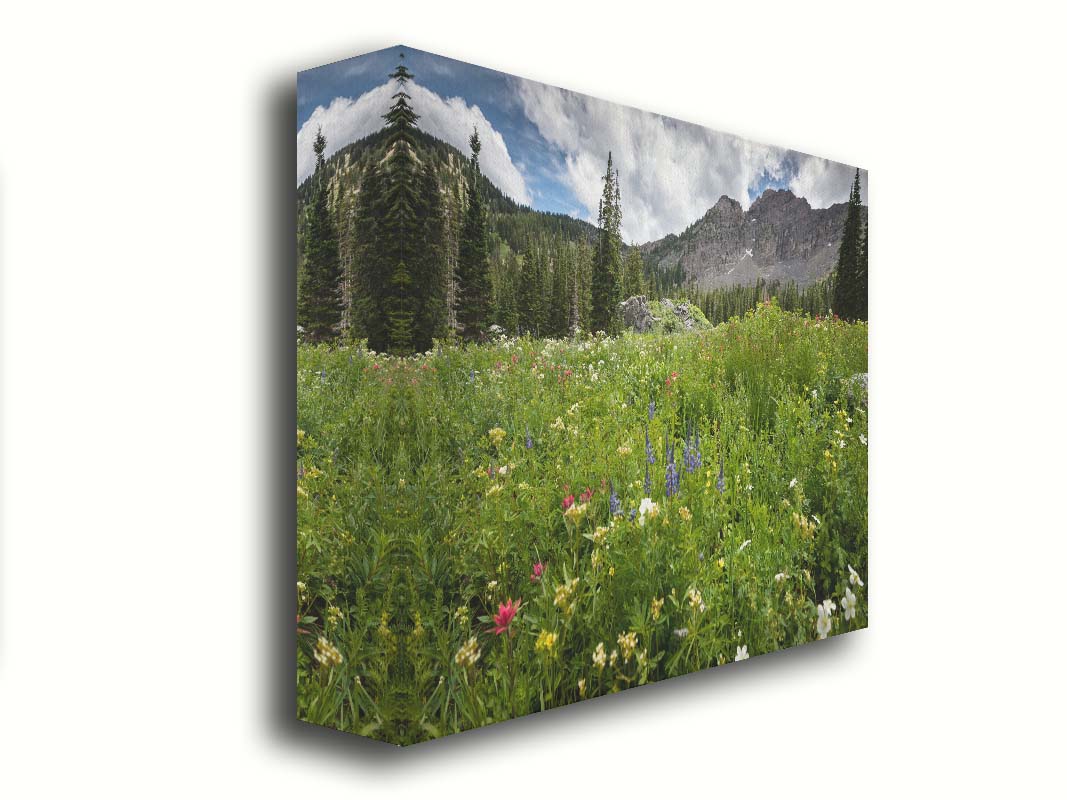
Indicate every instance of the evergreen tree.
{"type": "Point", "coordinates": [607, 266]}
{"type": "Point", "coordinates": [633, 274]}
{"type": "Point", "coordinates": [530, 292]}
{"type": "Point", "coordinates": [401, 267]}
{"type": "Point", "coordinates": [473, 286]}
{"type": "Point", "coordinates": [320, 303]}
{"type": "Point", "coordinates": [863, 275]}
{"type": "Point", "coordinates": [850, 289]}
{"type": "Point", "coordinates": [371, 283]}
{"type": "Point", "coordinates": [560, 299]}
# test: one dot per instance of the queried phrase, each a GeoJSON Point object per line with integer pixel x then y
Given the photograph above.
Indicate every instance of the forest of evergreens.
{"type": "Point", "coordinates": [403, 240]}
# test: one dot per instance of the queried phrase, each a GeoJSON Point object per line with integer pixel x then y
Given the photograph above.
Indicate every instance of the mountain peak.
{"type": "Point", "coordinates": [777, 199]}
{"type": "Point", "coordinates": [724, 205]}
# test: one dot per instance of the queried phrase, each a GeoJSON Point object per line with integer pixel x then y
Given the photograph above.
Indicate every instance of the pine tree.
{"type": "Point", "coordinates": [401, 261]}
{"type": "Point", "coordinates": [558, 316]}
{"type": "Point", "coordinates": [863, 275]}
{"type": "Point", "coordinates": [633, 274]}
{"type": "Point", "coordinates": [473, 286]}
{"type": "Point", "coordinates": [371, 271]}
{"type": "Point", "coordinates": [320, 303]}
{"type": "Point", "coordinates": [850, 289]}
{"type": "Point", "coordinates": [607, 266]}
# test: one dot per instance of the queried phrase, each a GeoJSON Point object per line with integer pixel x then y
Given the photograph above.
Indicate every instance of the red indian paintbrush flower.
{"type": "Point", "coordinates": [538, 571]}
{"type": "Point", "coordinates": [568, 501]}
{"type": "Point", "coordinates": [505, 615]}
{"type": "Point", "coordinates": [587, 495]}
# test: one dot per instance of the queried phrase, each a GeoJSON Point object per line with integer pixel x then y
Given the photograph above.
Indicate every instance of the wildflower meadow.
{"type": "Point", "coordinates": [486, 531]}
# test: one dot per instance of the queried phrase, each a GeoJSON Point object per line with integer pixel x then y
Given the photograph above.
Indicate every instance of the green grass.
{"type": "Point", "coordinates": [407, 544]}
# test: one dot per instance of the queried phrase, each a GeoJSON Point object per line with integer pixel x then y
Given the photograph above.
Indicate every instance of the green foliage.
{"type": "Point", "coordinates": [320, 304]}
{"type": "Point", "coordinates": [400, 276]}
{"type": "Point", "coordinates": [607, 266]}
{"type": "Point", "coordinates": [633, 283]}
{"type": "Point", "coordinates": [472, 273]}
{"type": "Point", "coordinates": [722, 304]}
{"type": "Point", "coordinates": [421, 510]}
{"type": "Point", "coordinates": [850, 277]}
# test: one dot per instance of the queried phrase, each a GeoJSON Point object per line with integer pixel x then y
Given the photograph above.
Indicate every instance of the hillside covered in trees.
{"type": "Point", "coordinates": [403, 240]}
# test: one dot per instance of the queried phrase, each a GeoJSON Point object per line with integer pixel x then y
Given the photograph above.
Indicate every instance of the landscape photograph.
{"type": "Point", "coordinates": [582, 396]}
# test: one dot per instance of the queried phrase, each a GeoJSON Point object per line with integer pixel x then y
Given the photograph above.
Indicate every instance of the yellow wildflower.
{"type": "Point", "coordinates": [496, 435]}
{"type": "Point", "coordinates": [576, 512]}
{"type": "Point", "coordinates": [657, 606]}
{"type": "Point", "coordinates": [326, 654]}
{"type": "Point", "coordinates": [628, 643]}
{"type": "Point", "coordinates": [546, 641]}
{"type": "Point", "coordinates": [599, 656]}
{"type": "Point", "coordinates": [469, 653]}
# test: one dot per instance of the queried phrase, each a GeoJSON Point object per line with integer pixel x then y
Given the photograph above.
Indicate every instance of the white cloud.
{"type": "Point", "coordinates": [671, 172]}
{"type": "Point", "coordinates": [825, 182]}
{"type": "Point", "coordinates": [345, 120]}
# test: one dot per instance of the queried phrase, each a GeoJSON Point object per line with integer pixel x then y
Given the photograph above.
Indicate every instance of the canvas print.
{"type": "Point", "coordinates": [582, 397]}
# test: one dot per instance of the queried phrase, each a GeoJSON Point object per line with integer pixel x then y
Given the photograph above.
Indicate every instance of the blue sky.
{"type": "Point", "coordinates": [548, 147]}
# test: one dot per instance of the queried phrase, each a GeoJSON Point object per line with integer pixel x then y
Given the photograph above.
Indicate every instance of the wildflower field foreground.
{"type": "Point", "coordinates": [488, 531]}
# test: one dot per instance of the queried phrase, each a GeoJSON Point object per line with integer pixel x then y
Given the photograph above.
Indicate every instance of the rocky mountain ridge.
{"type": "Point", "coordinates": [780, 236]}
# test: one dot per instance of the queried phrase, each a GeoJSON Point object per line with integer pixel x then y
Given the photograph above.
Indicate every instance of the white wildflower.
{"type": "Point", "coordinates": [648, 509]}
{"type": "Point", "coordinates": [600, 658]}
{"type": "Point", "coordinates": [792, 483]}
{"type": "Point", "coordinates": [744, 544]}
{"type": "Point", "coordinates": [849, 604]}
{"type": "Point", "coordinates": [824, 623]}
{"type": "Point", "coordinates": [854, 577]}
{"type": "Point", "coordinates": [742, 653]}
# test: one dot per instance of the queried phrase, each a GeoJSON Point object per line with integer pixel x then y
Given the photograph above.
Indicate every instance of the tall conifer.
{"type": "Point", "coordinates": [319, 303]}
{"type": "Point", "coordinates": [473, 286]}
{"type": "Point", "coordinates": [607, 265]}
{"type": "Point", "coordinates": [850, 284]}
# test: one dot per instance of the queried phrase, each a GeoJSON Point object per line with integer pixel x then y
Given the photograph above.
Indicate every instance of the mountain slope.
{"type": "Point", "coordinates": [780, 237]}
{"type": "Point", "coordinates": [512, 222]}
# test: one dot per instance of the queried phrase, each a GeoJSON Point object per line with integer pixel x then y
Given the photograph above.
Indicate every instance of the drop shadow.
{"type": "Point", "coordinates": [578, 720]}
{"type": "Point", "coordinates": [276, 503]}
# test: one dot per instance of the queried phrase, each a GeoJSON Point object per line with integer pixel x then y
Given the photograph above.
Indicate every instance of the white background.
{"type": "Point", "coordinates": [145, 187]}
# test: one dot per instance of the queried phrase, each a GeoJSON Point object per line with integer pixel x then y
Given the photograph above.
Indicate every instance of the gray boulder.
{"type": "Point", "coordinates": [637, 315]}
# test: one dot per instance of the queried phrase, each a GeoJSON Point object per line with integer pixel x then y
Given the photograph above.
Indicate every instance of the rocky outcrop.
{"type": "Point", "coordinates": [661, 316]}
{"type": "Point", "coordinates": [780, 237]}
{"type": "Point", "coordinates": [637, 315]}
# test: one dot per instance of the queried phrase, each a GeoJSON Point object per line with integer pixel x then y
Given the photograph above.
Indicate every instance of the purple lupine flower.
{"type": "Point", "coordinates": [648, 482]}
{"type": "Point", "coordinates": [470, 377]}
{"type": "Point", "coordinates": [529, 441]}
{"type": "Point", "coordinates": [691, 451]}
{"type": "Point", "coordinates": [614, 503]}
{"type": "Point", "coordinates": [672, 478]}
{"type": "Point", "coordinates": [633, 513]}
{"type": "Point", "coordinates": [651, 409]}
{"type": "Point", "coordinates": [649, 455]}
{"type": "Point", "coordinates": [322, 375]}
{"type": "Point", "coordinates": [720, 484]}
